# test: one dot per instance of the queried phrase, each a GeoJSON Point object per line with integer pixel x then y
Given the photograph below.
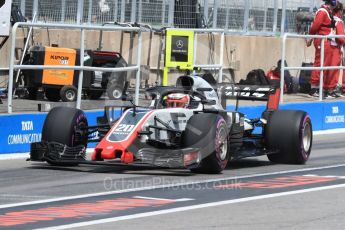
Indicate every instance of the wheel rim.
{"type": "Point", "coordinates": [307, 135]}
{"type": "Point", "coordinates": [70, 95]}
{"type": "Point", "coordinates": [116, 93]}
{"type": "Point", "coordinates": [222, 143]}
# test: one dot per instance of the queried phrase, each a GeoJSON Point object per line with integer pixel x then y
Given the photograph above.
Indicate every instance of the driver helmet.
{"type": "Point", "coordinates": [177, 100]}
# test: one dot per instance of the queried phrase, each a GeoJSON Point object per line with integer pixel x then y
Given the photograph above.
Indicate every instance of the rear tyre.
{"type": "Point", "coordinates": [212, 140]}
{"type": "Point", "coordinates": [62, 125]}
{"type": "Point", "coordinates": [290, 132]}
{"type": "Point", "coordinates": [68, 93]}
{"type": "Point", "coordinates": [53, 94]}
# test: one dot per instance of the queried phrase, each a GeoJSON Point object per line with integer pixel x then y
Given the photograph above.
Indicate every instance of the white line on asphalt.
{"type": "Point", "coordinates": [164, 186]}
{"type": "Point", "coordinates": [154, 198]}
{"type": "Point", "coordinates": [329, 176]}
{"type": "Point", "coordinates": [311, 175]}
{"type": "Point", "coordinates": [192, 207]}
{"type": "Point", "coordinates": [184, 199]}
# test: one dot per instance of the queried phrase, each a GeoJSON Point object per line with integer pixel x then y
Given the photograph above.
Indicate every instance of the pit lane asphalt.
{"type": "Point", "coordinates": [26, 181]}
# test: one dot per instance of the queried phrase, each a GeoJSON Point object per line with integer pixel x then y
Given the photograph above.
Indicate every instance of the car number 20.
{"type": "Point", "coordinates": [124, 128]}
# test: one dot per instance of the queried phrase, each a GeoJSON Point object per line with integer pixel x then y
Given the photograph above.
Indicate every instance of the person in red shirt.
{"type": "Point", "coordinates": [338, 15]}
{"type": "Point", "coordinates": [336, 45]}
{"type": "Point", "coordinates": [323, 24]}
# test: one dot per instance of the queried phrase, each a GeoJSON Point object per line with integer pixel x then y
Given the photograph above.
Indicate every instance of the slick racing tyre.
{"type": "Point", "coordinates": [290, 132]}
{"type": "Point", "coordinates": [211, 139]}
{"type": "Point", "coordinates": [62, 125]}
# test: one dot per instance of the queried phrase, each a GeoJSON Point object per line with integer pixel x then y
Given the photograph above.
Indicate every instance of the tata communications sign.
{"type": "Point", "coordinates": [5, 17]}
{"type": "Point", "coordinates": [334, 115]}
{"type": "Point", "coordinates": [18, 131]}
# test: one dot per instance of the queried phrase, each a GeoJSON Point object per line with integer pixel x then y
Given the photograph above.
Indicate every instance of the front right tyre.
{"type": "Point", "coordinates": [65, 126]}
{"type": "Point", "coordinates": [290, 133]}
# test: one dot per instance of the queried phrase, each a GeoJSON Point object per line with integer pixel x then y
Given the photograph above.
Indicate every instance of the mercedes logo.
{"type": "Point", "coordinates": [179, 44]}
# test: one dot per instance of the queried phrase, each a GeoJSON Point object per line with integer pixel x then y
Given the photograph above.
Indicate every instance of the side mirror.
{"type": "Point", "coordinates": [208, 102]}
{"type": "Point", "coordinates": [204, 89]}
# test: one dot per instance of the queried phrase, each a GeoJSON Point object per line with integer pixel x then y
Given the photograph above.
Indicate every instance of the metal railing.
{"type": "Point", "coordinates": [321, 68]}
{"type": "Point", "coordinates": [82, 68]}
{"type": "Point", "coordinates": [215, 66]}
{"type": "Point", "coordinates": [218, 66]}
{"type": "Point", "coordinates": [13, 67]}
{"type": "Point", "coordinates": [243, 16]}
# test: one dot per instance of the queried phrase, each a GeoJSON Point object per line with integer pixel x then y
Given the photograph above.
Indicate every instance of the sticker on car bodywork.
{"type": "Point", "coordinates": [126, 126]}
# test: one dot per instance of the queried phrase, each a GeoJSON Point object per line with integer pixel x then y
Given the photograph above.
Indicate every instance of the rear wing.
{"type": "Point", "coordinates": [237, 92]}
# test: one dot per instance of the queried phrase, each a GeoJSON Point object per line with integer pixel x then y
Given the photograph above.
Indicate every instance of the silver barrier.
{"type": "Point", "coordinates": [219, 66]}
{"type": "Point", "coordinates": [321, 68]}
{"type": "Point", "coordinates": [236, 15]}
{"type": "Point", "coordinates": [13, 67]}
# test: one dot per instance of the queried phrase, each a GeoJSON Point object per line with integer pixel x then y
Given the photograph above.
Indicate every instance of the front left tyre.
{"type": "Point", "coordinates": [209, 133]}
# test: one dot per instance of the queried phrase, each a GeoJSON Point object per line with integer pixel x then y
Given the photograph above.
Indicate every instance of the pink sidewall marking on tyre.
{"type": "Point", "coordinates": [302, 130]}
{"type": "Point", "coordinates": [217, 148]}
{"type": "Point", "coordinates": [79, 118]}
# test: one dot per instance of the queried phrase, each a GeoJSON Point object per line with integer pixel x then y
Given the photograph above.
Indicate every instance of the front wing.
{"type": "Point", "coordinates": [60, 154]}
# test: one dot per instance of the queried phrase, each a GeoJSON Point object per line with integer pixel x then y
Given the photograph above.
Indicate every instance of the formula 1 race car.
{"type": "Point", "coordinates": [186, 126]}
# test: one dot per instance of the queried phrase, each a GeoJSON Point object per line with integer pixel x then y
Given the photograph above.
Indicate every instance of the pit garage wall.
{"type": "Point", "coordinates": [18, 131]}
{"type": "Point", "coordinates": [242, 53]}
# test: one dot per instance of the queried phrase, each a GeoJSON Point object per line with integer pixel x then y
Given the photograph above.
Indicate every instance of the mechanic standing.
{"type": "Point", "coordinates": [323, 24]}
{"type": "Point", "coordinates": [339, 14]}
{"type": "Point", "coordinates": [337, 45]}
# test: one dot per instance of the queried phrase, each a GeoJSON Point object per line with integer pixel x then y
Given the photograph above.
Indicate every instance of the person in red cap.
{"type": "Point", "coordinates": [323, 24]}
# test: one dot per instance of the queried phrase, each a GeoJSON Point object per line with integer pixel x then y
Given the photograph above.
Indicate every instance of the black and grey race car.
{"type": "Point", "coordinates": [185, 126]}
